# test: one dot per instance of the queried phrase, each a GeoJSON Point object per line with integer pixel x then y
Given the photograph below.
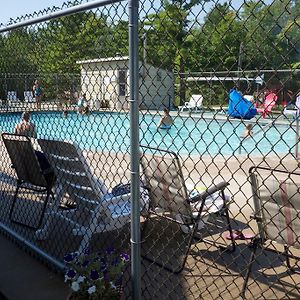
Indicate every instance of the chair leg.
{"type": "Point", "coordinates": [162, 265]}
{"type": "Point", "coordinates": [288, 263]}
{"type": "Point", "coordinates": [14, 200]}
{"type": "Point", "coordinates": [49, 193]}
{"type": "Point", "coordinates": [19, 183]}
{"type": "Point", "coordinates": [43, 233]}
{"type": "Point", "coordinates": [233, 245]}
{"type": "Point", "coordinates": [255, 244]}
{"type": "Point", "coordinates": [223, 247]}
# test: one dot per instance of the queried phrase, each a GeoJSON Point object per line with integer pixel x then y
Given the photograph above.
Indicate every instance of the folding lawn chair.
{"type": "Point", "coordinates": [277, 213]}
{"type": "Point", "coordinates": [30, 175]}
{"type": "Point", "coordinates": [170, 202]}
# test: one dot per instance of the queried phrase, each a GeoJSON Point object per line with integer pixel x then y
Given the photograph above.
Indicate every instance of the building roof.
{"type": "Point", "coordinates": [106, 59]}
{"type": "Point", "coordinates": [216, 78]}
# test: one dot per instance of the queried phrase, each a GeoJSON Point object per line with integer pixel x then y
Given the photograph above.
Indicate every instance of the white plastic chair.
{"type": "Point", "coordinates": [98, 210]}
{"type": "Point", "coordinates": [12, 96]}
{"type": "Point", "coordinates": [249, 98]}
{"type": "Point", "coordinates": [293, 112]}
{"type": "Point", "coordinates": [195, 103]}
{"type": "Point", "coordinates": [28, 96]}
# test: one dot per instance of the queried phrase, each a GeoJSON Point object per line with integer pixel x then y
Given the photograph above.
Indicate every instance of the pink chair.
{"type": "Point", "coordinates": [270, 101]}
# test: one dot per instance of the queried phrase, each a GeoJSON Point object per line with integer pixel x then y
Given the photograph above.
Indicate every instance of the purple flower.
{"type": "Point", "coordinates": [125, 257]}
{"type": "Point", "coordinates": [115, 261]}
{"type": "Point", "coordinates": [71, 273]}
{"type": "Point", "coordinates": [110, 250]}
{"type": "Point", "coordinates": [94, 274]}
{"type": "Point", "coordinates": [85, 263]}
{"type": "Point", "coordinates": [69, 257]}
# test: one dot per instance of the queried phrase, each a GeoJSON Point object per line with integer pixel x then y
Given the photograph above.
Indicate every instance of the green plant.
{"type": "Point", "coordinates": [96, 275]}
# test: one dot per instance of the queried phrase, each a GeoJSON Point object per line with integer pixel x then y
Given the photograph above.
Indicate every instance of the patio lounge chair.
{"type": "Point", "coordinates": [30, 176]}
{"type": "Point", "coordinates": [277, 213]}
{"type": "Point", "coordinates": [170, 202]}
{"type": "Point", "coordinates": [28, 96]}
{"type": "Point", "coordinates": [195, 103]}
{"type": "Point", "coordinates": [12, 96]}
{"type": "Point", "coordinates": [294, 112]}
{"type": "Point", "coordinates": [96, 210]}
{"type": "Point", "coordinates": [269, 102]}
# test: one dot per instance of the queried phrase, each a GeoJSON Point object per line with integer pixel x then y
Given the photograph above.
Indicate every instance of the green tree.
{"type": "Point", "coordinates": [171, 25]}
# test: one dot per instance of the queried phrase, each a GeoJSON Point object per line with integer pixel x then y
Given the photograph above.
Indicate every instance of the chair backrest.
{"type": "Point", "coordinates": [24, 159]}
{"type": "Point", "coordinates": [164, 181]}
{"type": "Point", "coordinates": [196, 101]}
{"type": "Point", "coordinates": [72, 170]}
{"type": "Point", "coordinates": [28, 96]}
{"type": "Point", "coordinates": [270, 101]}
{"type": "Point", "coordinates": [297, 104]}
{"type": "Point", "coordinates": [12, 95]}
{"type": "Point", "coordinates": [249, 97]}
{"type": "Point", "coordinates": [277, 205]}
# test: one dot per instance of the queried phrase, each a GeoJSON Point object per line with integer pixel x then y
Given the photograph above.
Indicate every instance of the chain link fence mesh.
{"type": "Point", "coordinates": [219, 95]}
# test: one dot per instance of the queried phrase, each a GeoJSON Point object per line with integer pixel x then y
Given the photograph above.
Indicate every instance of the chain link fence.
{"type": "Point", "coordinates": [219, 100]}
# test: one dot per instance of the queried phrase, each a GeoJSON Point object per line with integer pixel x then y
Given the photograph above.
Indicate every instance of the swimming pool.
{"type": "Point", "coordinates": [192, 136]}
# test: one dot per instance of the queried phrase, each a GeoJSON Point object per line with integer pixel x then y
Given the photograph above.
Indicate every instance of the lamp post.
{"type": "Point", "coordinates": [241, 49]}
{"type": "Point", "coordinates": [145, 47]}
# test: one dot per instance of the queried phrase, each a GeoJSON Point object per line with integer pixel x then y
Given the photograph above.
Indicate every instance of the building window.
{"type": "Point", "coordinates": [158, 75]}
{"type": "Point", "coordinates": [122, 82]}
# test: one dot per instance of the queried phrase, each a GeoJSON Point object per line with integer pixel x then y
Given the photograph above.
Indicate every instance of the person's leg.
{"type": "Point", "coordinates": [43, 161]}
{"type": "Point", "coordinates": [38, 102]}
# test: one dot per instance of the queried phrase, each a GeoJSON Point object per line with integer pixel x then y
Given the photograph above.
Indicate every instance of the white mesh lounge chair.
{"type": "Point", "coordinates": [277, 213]}
{"type": "Point", "coordinates": [170, 201]}
{"type": "Point", "coordinates": [96, 210]}
{"type": "Point", "coordinates": [195, 103]}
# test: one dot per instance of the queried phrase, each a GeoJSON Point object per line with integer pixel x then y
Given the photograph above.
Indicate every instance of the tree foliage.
{"type": "Point", "coordinates": [257, 36]}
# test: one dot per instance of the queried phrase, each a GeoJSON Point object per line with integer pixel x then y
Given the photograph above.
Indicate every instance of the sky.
{"type": "Point", "coordinates": [17, 8]}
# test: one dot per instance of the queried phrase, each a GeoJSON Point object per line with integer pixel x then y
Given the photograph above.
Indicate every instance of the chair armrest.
{"type": "Point", "coordinates": [111, 199]}
{"type": "Point", "coordinates": [218, 187]}
{"type": "Point", "coordinates": [253, 216]}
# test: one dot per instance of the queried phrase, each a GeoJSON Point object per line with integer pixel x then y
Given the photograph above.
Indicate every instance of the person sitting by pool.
{"type": "Point", "coordinates": [65, 113]}
{"type": "Point", "coordinates": [166, 120]}
{"type": "Point", "coordinates": [86, 110]}
{"type": "Point", "coordinates": [25, 126]}
{"type": "Point", "coordinates": [248, 131]}
{"type": "Point", "coordinates": [81, 104]}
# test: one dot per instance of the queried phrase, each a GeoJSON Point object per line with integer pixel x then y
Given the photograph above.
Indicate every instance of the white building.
{"type": "Point", "coordinates": [105, 81]}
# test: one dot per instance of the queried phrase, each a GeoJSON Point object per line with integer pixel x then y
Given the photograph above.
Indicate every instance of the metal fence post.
{"type": "Point", "coordinates": [134, 147]}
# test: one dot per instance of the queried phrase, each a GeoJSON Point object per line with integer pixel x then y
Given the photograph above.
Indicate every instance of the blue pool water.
{"type": "Point", "coordinates": [110, 132]}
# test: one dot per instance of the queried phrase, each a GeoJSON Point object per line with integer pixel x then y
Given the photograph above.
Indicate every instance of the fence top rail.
{"type": "Point", "coordinates": [62, 13]}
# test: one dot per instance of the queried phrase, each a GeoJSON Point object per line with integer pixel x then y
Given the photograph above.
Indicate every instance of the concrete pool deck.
{"type": "Point", "coordinates": [24, 277]}
{"type": "Point", "coordinates": [201, 277]}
